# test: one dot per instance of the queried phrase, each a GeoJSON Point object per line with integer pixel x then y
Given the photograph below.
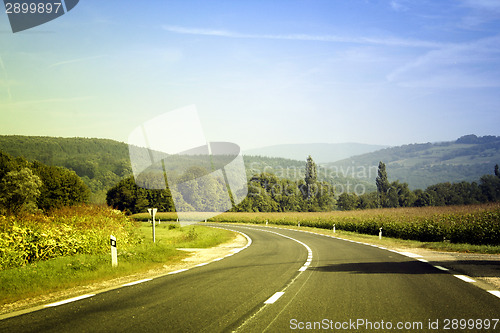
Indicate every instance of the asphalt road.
{"type": "Point", "coordinates": [345, 286]}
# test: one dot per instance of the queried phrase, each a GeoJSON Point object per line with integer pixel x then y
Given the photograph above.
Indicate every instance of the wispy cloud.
{"type": "Point", "coordinates": [387, 41]}
{"type": "Point", "coordinates": [72, 61]}
{"type": "Point", "coordinates": [398, 6]}
{"type": "Point", "coordinates": [459, 65]}
{"type": "Point", "coordinates": [482, 4]}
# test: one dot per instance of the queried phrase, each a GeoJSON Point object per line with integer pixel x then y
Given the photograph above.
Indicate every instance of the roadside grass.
{"type": "Point", "coordinates": [43, 277]}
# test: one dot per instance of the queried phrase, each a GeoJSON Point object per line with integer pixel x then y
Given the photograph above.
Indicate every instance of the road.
{"type": "Point", "coordinates": [285, 281]}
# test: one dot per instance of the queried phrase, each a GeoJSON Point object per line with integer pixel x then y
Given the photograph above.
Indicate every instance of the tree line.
{"type": "Point", "coordinates": [33, 186]}
{"type": "Point", "coordinates": [396, 194]}
{"type": "Point", "coordinates": [266, 193]}
{"type": "Point", "coordinates": [270, 193]}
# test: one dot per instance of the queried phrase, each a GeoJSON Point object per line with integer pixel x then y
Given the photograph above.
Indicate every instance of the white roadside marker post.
{"type": "Point", "coordinates": [334, 228]}
{"type": "Point", "coordinates": [152, 212]}
{"type": "Point", "coordinates": [380, 233]}
{"type": "Point", "coordinates": [114, 255]}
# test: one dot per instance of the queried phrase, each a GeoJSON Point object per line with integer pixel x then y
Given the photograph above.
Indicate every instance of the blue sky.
{"type": "Point", "coordinates": [259, 72]}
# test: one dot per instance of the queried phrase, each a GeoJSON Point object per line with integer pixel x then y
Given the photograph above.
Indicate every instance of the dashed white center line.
{"type": "Point", "coordinates": [69, 300]}
{"type": "Point", "coordinates": [274, 298]}
{"type": "Point", "coordinates": [441, 268]}
{"type": "Point", "coordinates": [464, 278]}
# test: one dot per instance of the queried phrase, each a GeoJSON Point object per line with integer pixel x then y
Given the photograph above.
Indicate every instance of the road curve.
{"type": "Point", "coordinates": [285, 281]}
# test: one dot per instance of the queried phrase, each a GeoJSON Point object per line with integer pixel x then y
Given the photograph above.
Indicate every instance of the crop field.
{"type": "Point", "coordinates": [471, 224]}
{"type": "Point", "coordinates": [67, 231]}
{"type": "Point", "coordinates": [40, 254]}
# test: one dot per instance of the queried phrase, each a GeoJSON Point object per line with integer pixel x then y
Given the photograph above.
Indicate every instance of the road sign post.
{"type": "Point", "coordinates": [152, 212]}
{"type": "Point", "coordinates": [114, 255]}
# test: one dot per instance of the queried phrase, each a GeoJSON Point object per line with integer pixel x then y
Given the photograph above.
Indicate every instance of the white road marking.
{"type": "Point", "coordinates": [495, 292]}
{"type": "Point", "coordinates": [441, 268]}
{"type": "Point", "coordinates": [69, 300]}
{"type": "Point", "coordinates": [422, 260]}
{"type": "Point", "coordinates": [202, 264]}
{"type": "Point", "coordinates": [180, 270]}
{"type": "Point", "coordinates": [464, 278]}
{"type": "Point", "coordinates": [274, 298]}
{"type": "Point", "coordinates": [136, 282]}
{"type": "Point", "coordinates": [411, 255]}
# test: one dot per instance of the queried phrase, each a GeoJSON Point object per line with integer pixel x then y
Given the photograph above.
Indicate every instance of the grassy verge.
{"type": "Point", "coordinates": [61, 273]}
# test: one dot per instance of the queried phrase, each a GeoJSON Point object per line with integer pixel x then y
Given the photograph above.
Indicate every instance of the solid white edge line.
{"type": "Point", "coordinates": [135, 282]}
{"type": "Point", "coordinates": [274, 298]}
{"type": "Point", "coordinates": [178, 271]}
{"type": "Point", "coordinates": [464, 278]}
{"type": "Point", "coordinates": [202, 264]}
{"type": "Point", "coordinates": [411, 255]}
{"type": "Point", "coordinates": [495, 292]}
{"type": "Point", "coordinates": [69, 300]}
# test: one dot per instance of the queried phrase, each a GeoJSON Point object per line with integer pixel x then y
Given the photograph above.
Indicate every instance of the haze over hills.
{"type": "Point", "coordinates": [420, 165]}
{"type": "Point", "coordinates": [320, 152]}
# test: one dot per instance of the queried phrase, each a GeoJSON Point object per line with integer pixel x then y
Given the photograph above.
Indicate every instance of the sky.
{"type": "Point", "coordinates": [259, 72]}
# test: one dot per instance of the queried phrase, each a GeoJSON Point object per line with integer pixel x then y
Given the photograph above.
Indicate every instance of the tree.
{"type": "Point", "coordinates": [348, 201]}
{"type": "Point", "coordinates": [19, 191]}
{"type": "Point", "coordinates": [497, 172]}
{"type": "Point", "coordinates": [61, 187]}
{"type": "Point", "coordinates": [311, 176]}
{"type": "Point", "coordinates": [383, 185]}
{"type": "Point", "coordinates": [490, 187]}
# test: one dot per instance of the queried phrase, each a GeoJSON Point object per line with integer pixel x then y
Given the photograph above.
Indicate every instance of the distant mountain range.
{"type": "Point", "coordinates": [420, 165]}
{"type": "Point", "coordinates": [320, 152]}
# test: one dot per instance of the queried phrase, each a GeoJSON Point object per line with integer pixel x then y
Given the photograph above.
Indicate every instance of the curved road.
{"type": "Point", "coordinates": [285, 281]}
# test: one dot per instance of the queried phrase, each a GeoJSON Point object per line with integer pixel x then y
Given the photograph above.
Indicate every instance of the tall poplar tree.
{"type": "Point", "coordinates": [383, 185]}
{"type": "Point", "coordinates": [311, 176]}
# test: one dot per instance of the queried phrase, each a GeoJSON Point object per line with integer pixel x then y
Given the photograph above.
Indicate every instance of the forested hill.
{"type": "Point", "coordinates": [101, 163]}
{"type": "Point", "coordinates": [421, 165]}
